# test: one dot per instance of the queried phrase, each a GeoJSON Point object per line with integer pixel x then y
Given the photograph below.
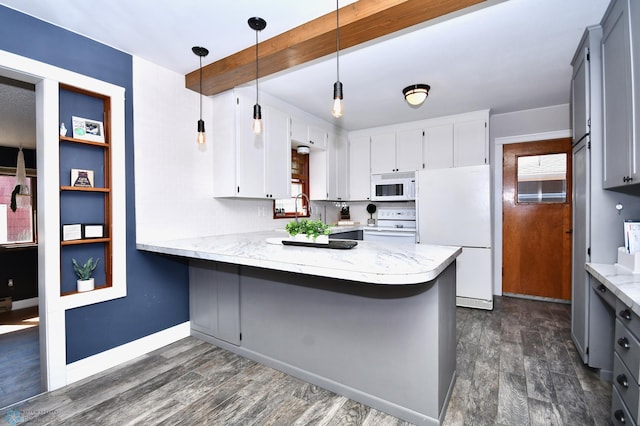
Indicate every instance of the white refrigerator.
{"type": "Point", "coordinates": [454, 208]}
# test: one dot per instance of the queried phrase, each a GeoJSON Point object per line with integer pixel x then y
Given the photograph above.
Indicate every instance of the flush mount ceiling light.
{"type": "Point", "coordinates": [303, 150]}
{"type": "Point", "coordinates": [201, 52]}
{"type": "Point", "coordinates": [416, 94]}
{"type": "Point", "coordinates": [257, 24]}
{"type": "Point", "coordinates": [337, 109]}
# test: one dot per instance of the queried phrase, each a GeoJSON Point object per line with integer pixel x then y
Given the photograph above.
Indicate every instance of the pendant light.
{"type": "Point", "coordinates": [337, 109]}
{"type": "Point", "coordinates": [257, 24]}
{"type": "Point", "coordinates": [201, 52]}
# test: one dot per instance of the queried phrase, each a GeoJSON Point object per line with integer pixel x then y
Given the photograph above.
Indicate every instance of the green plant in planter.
{"type": "Point", "coordinates": [85, 271]}
{"type": "Point", "coordinates": [312, 228]}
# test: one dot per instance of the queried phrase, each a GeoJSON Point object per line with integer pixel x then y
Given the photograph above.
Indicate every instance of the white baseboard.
{"type": "Point", "coordinates": [468, 302]}
{"type": "Point", "coordinates": [97, 363]}
{"type": "Point", "coordinates": [26, 303]}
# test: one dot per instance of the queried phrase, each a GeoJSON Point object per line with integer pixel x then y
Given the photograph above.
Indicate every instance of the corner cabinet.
{"type": "Point", "coordinates": [248, 165]}
{"type": "Point", "coordinates": [621, 94]}
{"type": "Point", "coordinates": [92, 214]}
{"type": "Point", "coordinates": [328, 170]}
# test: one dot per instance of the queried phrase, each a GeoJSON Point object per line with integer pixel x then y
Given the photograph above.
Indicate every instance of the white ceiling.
{"type": "Point", "coordinates": [508, 56]}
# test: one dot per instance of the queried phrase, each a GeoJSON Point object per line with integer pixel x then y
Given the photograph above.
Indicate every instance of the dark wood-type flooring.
{"type": "Point", "coordinates": [516, 366]}
{"type": "Point", "coordinates": [19, 358]}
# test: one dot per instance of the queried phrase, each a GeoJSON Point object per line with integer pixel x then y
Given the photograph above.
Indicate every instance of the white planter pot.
{"type": "Point", "coordinates": [86, 285]}
{"type": "Point", "coordinates": [321, 239]}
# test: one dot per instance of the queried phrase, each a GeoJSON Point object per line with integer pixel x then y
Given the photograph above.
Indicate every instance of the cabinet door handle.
{"type": "Point", "coordinates": [625, 314]}
{"type": "Point", "coordinates": [622, 380]}
{"type": "Point", "coordinates": [624, 342]}
{"type": "Point", "coordinates": [602, 288]}
{"type": "Point", "coordinates": [619, 416]}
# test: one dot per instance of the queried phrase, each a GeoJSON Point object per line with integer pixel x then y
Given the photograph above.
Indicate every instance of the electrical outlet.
{"type": "Point", "coordinates": [10, 282]}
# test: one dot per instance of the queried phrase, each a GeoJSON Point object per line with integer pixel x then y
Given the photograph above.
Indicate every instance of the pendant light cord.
{"type": "Point", "coordinates": [337, 41]}
{"type": "Point", "coordinates": [257, 67]}
{"type": "Point", "coordinates": [200, 87]}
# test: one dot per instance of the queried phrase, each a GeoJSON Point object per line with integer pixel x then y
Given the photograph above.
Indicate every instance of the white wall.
{"type": "Point", "coordinates": [520, 126]}
{"type": "Point", "coordinates": [174, 176]}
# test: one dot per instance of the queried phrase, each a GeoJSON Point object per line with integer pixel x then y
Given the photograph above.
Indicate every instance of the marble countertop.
{"type": "Point", "coordinates": [369, 262]}
{"type": "Point", "coordinates": [620, 281]}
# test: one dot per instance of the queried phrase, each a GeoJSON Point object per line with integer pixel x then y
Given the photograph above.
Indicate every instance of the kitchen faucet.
{"type": "Point", "coordinates": [296, 204]}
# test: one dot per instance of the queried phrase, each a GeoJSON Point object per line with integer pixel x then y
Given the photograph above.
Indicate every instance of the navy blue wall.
{"type": "Point", "coordinates": [157, 286]}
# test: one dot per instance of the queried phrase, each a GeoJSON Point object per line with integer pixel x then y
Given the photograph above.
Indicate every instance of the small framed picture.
{"type": "Point", "coordinates": [86, 129]}
{"type": "Point", "coordinates": [93, 230]}
{"type": "Point", "coordinates": [82, 178]}
{"type": "Point", "coordinates": [72, 232]}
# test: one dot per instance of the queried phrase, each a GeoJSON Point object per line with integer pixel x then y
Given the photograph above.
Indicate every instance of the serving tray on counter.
{"type": "Point", "coordinates": [333, 244]}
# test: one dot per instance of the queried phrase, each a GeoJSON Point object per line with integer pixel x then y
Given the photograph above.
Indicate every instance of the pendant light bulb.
{"type": "Point", "coordinates": [338, 108]}
{"type": "Point", "coordinates": [202, 139]}
{"type": "Point", "coordinates": [257, 24]}
{"type": "Point", "coordinates": [257, 119]}
{"type": "Point", "coordinates": [201, 52]}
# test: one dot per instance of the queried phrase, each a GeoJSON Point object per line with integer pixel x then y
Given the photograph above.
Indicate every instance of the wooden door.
{"type": "Point", "coordinates": [536, 225]}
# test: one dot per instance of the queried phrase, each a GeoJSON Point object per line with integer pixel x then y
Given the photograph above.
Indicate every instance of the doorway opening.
{"type": "Point", "coordinates": [20, 366]}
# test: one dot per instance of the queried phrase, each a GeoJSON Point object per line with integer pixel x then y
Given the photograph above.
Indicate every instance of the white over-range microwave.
{"type": "Point", "coordinates": [393, 186]}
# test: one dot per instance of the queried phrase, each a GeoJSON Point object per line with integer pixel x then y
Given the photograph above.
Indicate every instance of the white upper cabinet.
{"type": "Point", "coordinates": [409, 150]}
{"type": "Point", "coordinates": [312, 136]}
{"type": "Point", "coordinates": [248, 165]}
{"type": "Point", "coordinates": [337, 168]}
{"type": "Point", "coordinates": [383, 153]}
{"type": "Point", "coordinates": [396, 151]}
{"type": "Point", "coordinates": [359, 168]}
{"type": "Point", "coordinates": [620, 77]}
{"type": "Point", "coordinates": [470, 143]}
{"type": "Point", "coordinates": [250, 151]}
{"type": "Point", "coordinates": [438, 146]}
{"type": "Point", "coordinates": [277, 182]}
{"type": "Point", "coordinates": [328, 171]}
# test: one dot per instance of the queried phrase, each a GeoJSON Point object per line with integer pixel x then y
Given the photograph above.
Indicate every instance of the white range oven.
{"type": "Point", "coordinates": [395, 225]}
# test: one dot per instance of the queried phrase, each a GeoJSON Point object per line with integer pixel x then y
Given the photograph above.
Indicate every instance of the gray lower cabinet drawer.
{"type": "Point", "coordinates": [602, 291]}
{"type": "Point", "coordinates": [628, 318]}
{"type": "Point", "coordinates": [619, 413]}
{"type": "Point", "coordinates": [628, 348]}
{"type": "Point", "coordinates": [626, 385]}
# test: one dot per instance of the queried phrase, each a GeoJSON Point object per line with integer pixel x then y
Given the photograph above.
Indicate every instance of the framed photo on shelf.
{"type": "Point", "coordinates": [82, 178]}
{"type": "Point", "coordinates": [72, 232]}
{"type": "Point", "coordinates": [93, 230]}
{"type": "Point", "coordinates": [86, 129]}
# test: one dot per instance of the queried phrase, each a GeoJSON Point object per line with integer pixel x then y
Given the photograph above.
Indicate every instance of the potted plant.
{"type": "Point", "coordinates": [307, 230]}
{"type": "Point", "coordinates": [84, 272]}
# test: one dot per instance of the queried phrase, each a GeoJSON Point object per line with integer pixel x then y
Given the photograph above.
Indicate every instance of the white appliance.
{"type": "Point", "coordinates": [395, 225]}
{"type": "Point", "coordinates": [454, 208]}
{"type": "Point", "coordinates": [393, 186]}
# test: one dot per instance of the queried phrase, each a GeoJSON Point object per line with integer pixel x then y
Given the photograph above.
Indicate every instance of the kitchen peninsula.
{"type": "Point", "coordinates": [375, 323]}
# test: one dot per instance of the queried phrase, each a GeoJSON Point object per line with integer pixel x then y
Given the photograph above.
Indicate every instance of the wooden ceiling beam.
{"type": "Point", "coordinates": [360, 22]}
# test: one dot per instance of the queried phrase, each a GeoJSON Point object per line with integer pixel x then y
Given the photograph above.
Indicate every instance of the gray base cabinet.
{"type": "Point", "coordinates": [214, 300]}
{"type": "Point", "coordinates": [625, 401]}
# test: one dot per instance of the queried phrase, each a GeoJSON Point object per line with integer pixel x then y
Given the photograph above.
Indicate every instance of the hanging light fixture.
{"type": "Point", "coordinates": [257, 24]}
{"type": "Point", "coordinates": [337, 109]}
{"type": "Point", "coordinates": [201, 52]}
{"type": "Point", "coordinates": [416, 94]}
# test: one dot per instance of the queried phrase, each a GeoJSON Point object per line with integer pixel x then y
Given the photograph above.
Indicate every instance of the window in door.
{"type": "Point", "coordinates": [287, 207]}
{"type": "Point", "coordinates": [542, 178]}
